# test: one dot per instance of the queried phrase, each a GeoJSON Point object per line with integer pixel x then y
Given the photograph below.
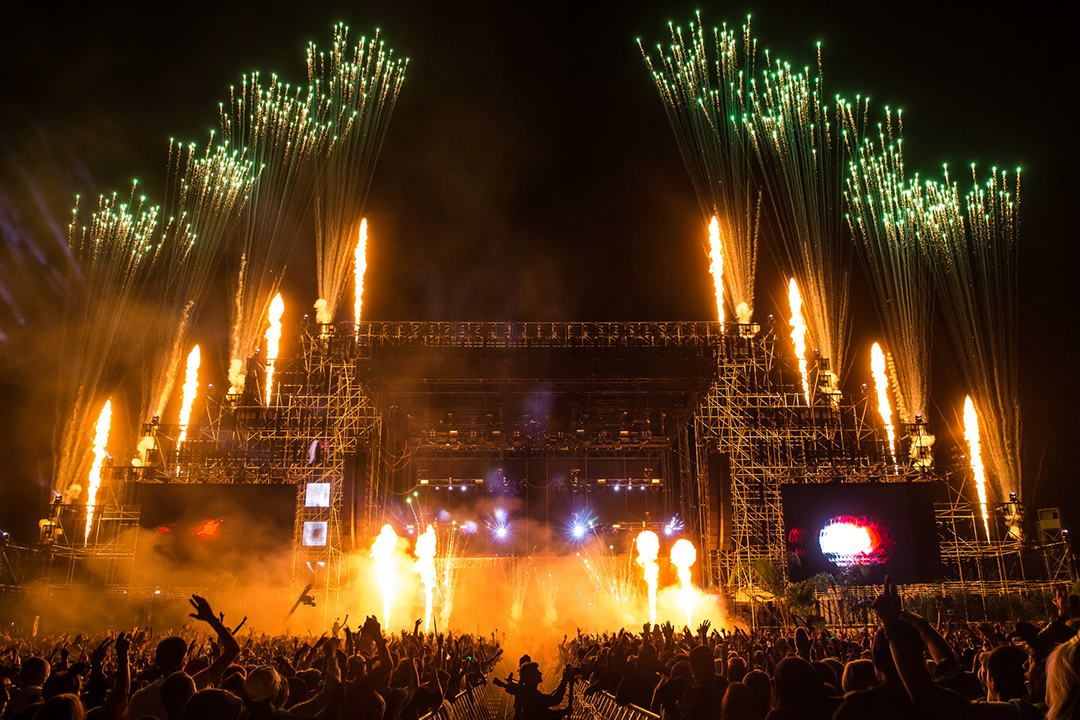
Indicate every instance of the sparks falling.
{"type": "Point", "coordinates": [716, 266]}
{"type": "Point", "coordinates": [191, 389]}
{"type": "Point", "coordinates": [101, 439]}
{"type": "Point", "coordinates": [383, 552]}
{"type": "Point", "coordinates": [273, 340]}
{"type": "Point", "coordinates": [359, 268]}
{"type": "Point", "coordinates": [798, 335]}
{"type": "Point", "coordinates": [971, 434]}
{"type": "Point", "coordinates": [683, 555]}
{"type": "Point", "coordinates": [648, 548]}
{"type": "Point", "coordinates": [881, 384]}
{"type": "Point", "coordinates": [425, 568]}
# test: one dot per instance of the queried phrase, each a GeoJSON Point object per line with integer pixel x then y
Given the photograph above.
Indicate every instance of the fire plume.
{"type": "Point", "coordinates": [683, 555]}
{"type": "Point", "coordinates": [716, 267]}
{"type": "Point", "coordinates": [648, 548]}
{"type": "Point", "coordinates": [273, 341]}
{"type": "Point", "coordinates": [383, 552]}
{"type": "Point", "coordinates": [359, 268]}
{"type": "Point", "coordinates": [798, 334]}
{"type": "Point", "coordinates": [101, 439]}
{"type": "Point", "coordinates": [425, 568]}
{"type": "Point", "coordinates": [191, 389]}
{"type": "Point", "coordinates": [881, 384]}
{"type": "Point", "coordinates": [971, 434]}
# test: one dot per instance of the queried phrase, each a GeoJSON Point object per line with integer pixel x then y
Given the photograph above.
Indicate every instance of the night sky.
{"type": "Point", "coordinates": [529, 172]}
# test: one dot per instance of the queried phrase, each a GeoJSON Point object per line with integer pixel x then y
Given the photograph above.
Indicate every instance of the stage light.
{"type": "Point", "coordinates": [314, 534]}
{"type": "Point", "coordinates": [317, 494]}
{"type": "Point", "coordinates": [668, 530]}
{"type": "Point", "coordinates": [502, 531]}
{"type": "Point", "coordinates": [468, 527]}
{"type": "Point", "coordinates": [500, 515]}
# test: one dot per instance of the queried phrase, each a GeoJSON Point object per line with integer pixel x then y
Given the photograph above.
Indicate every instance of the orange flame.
{"type": "Point", "coordinates": [359, 268]}
{"type": "Point", "coordinates": [648, 548]}
{"type": "Point", "coordinates": [971, 434]}
{"type": "Point", "coordinates": [101, 439]}
{"type": "Point", "coordinates": [425, 568]}
{"type": "Point", "coordinates": [273, 340]}
{"type": "Point", "coordinates": [191, 389]}
{"type": "Point", "coordinates": [798, 334]}
{"type": "Point", "coordinates": [209, 528]}
{"type": "Point", "coordinates": [683, 555]}
{"type": "Point", "coordinates": [716, 268]}
{"type": "Point", "coordinates": [383, 552]}
{"type": "Point", "coordinates": [881, 383]}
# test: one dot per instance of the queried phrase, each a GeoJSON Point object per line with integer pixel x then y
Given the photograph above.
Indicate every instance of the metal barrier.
{"type": "Point", "coordinates": [470, 704]}
{"type": "Point", "coordinates": [602, 706]}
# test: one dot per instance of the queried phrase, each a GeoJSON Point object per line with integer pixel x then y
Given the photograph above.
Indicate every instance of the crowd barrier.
{"type": "Point", "coordinates": [602, 706]}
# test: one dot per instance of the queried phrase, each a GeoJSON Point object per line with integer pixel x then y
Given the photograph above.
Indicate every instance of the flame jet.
{"type": "Point", "coordinates": [273, 341]}
{"type": "Point", "coordinates": [383, 552]}
{"type": "Point", "coordinates": [425, 568]}
{"type": "Point", "coordinates": [798, 334]}
{"type": "Point", "coordinates": [683, 555]}
{"type": "Point", "coordinates": [191, 390]}
{"type": "Point", "coordinates": [648, 548]}
{"type": "Point", "coordinates": [101, 439]}
{"type": "Point", "coordinates": [881, 384]}
{"type": "Point", "coordinates": [971, 434]}
{"type": "Point", "coordinates": [716, 268]}
{"type": "Point", "coordinates": [359, 268]}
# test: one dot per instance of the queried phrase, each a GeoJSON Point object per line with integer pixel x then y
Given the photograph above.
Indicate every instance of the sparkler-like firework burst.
{"type": "Point", "coordinates": [974, 249]}
{"type": "Point", "coordinates": [517, 577]}
{"type": "Point", "coordinates": [612, 575]}
{"type": "Point", "coordinates": [709, 116]}
{"type": "Point", "coordinates": [802, 163]}
{"type": "Point", "coordinates": [885, 215]}
{"type": "Point", "coordinates": [357, 97]}
{"type": "Point", "coordinates": [451, 541]}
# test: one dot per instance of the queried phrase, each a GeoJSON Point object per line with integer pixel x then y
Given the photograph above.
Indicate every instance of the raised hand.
{"type": "Point", "coordinates": [888, 604]}
{"type": "Point", "coordinates": [100, 652]}
{"type": "Point", "coordinates": [202, 610]}
{"type": "Point", "coordinates": [703, 628]}
{"type": "Point", "coordinates": [123, 644]}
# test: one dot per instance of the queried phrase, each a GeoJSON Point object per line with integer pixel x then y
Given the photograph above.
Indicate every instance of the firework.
{"type": "Point", "coordinates": [517, 577]}
{"type": "Point", "coordinates": [612, 575]}
{"type": "Point", "coordinates": [382, 549]}
{"type": "Point", "coordinates": [357, 92]}
{"type": "Point", "coordinates": [709, 115]}
{"type": "Point", "coordinates": [683, 556]}
{"type": "Point", "coordinates": [648, 548]}
{"type": "Point", "coordinates": [111, 277]}
{"type": "Point", "coordinates": [448, 565]}
{"type": "Point", "coordinates": [881, 385]}
{"type": "Point", "coordinates": [802, 164]}
{"type": "Point", "coordinates": [424, 566]}
{"type": "Point", "coordinates": [278, 127]}
{"type": "Point", "coordinates": [973, 246]}
{"type": "Point", "coordinates": [885, 212]}
{"type": "Point", "coordinates": [191, 389]}
{"type": "Point", "coordinates": [93, 480]}
{"type": "Point", "coordinates": [978, 471]}
{"type": "Point", "coordinates": [798, 334]}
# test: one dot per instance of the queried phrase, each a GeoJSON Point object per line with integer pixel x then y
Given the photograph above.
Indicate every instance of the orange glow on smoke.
{"type": "Point", "coordinates": [209, 528]}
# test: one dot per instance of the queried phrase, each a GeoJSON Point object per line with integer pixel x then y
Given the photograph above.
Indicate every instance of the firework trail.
{"type": "Point", "coordinates": [358, 91]}
{"type": "Point", "coordinates": [277, 125]}
{"type": "Point", "coordinates": [885, 213]}
{"type": "Point", "coordinates": [802, 163]}
{"type": "Point", "coordinates": [612, 575]}
{"type": "Point", "coordinates": [707, 105]}
{"type": "Point", "coordinates": [973, 244]}
{"type": "Point", "coordinates": [517, 577]}
{"type": "Point", "coordinates": [204, 197]}
{"type": "Point", "coordinates": [110, 278]}
{"type": "Point", "coordinates": [451, 542]}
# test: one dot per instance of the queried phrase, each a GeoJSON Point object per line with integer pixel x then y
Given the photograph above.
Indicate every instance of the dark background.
{"type": "Point", "coordinates": [529, 172]}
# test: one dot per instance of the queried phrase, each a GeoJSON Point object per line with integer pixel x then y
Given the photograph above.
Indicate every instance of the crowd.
{"type": "Point", "coordinates": [908, 667]}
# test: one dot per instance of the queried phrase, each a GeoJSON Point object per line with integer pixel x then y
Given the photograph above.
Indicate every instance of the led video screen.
{"type": "Point", "coordinates": [193, 533]}
{"type": "Point", "coordinates": [869, 530]}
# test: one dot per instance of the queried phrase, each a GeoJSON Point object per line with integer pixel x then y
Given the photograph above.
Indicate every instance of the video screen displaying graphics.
{"type": "Point", "coordinates": [874, 529]}
{"type": "Point", "coordinates": [202, 532]}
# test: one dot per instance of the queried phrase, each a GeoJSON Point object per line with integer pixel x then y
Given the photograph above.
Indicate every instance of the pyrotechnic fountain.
{"type": "Point", "coordinates": [382, 549]}
{"type": "Point", "coordinates": [93, 480]}
{"type": "Point", "coordinates": [273, 342]}
{"type": "Point", "coordinates": [683, 556]}
{"type": "Point", "coordinates": [517, 577]}
{"type": "Point", "coordinates": [648, 548]}
{"type": "Point", "coordinates": [359, 269]}
{"type": "Point", "coordinates": [716, 267]}
{"type": "Point", "coordinates": [978, 472]}
{"type": "Point", "coordinates": [881, 385]}
{"type": "Point", "coordinates": [424, 566]}
{"type": "Point", "coordinates": [448, 565]}
{"type": "Point", "coordinates": [798, 335]}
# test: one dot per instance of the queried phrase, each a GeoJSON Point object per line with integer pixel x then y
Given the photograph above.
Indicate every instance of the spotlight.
{"type": "Point", "coordinates": [468, 527]}
{"type": "Point", "coordinates": [500, 515]}
{"type": "Point", "coordinates": [501, 532]}
{"type": "Point", "coordinates": [578, 530]}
